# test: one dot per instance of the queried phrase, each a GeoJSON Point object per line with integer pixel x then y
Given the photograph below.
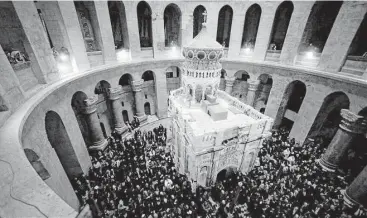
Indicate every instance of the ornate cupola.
{"type": "Point", "coordinates": [201, 69]}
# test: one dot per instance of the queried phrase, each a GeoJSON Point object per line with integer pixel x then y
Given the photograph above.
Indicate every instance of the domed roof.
{"type": "Point", "coordinates": [204, 40]}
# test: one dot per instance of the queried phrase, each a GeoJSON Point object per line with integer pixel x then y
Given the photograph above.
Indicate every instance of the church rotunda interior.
{"type": "Point", "coordinates": [183, 109]}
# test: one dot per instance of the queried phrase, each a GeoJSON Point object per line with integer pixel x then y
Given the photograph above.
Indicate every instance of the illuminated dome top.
{"type": "Point", "coordinates": [204, 40]}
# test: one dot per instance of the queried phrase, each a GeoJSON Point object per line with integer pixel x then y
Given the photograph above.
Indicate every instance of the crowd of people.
{"type": "Point", "coordinates": [136, 177]}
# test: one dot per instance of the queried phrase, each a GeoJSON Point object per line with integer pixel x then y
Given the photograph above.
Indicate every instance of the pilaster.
{"type": "Point", "coordinates": [253, 86]}
{"type": "Point", "coordinates": [133, 27]}
{"type": "Point", "coordinates": [186, 28]}
{"type": "Point", "coordinates": [345, 27]}
{"type": "Point", "coordinates": [238, 22]}
{"type": "Point", "coordinates": [139, 99]}
{"type": "Point", "coordinates": [158, 30]}
{"type": "Point", "coordinates": [114, 95]}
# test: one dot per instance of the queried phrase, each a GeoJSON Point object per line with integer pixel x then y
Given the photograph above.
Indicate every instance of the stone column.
{"type": "Point", "coordinates": [341, 36]}
{"type": "Point", "coordinates": [42, 60]}
{"type": "Point", "coordinates": [238, 22]}
{"type": "Point", "coordinates": [297, 24]}
{"type": "Point", "coordinates": [264, 31]}
{"type": "Point", "coordinates": [69, 16]}
{"type": "Point", "coordinates": [253, 85]}
{"type": "Point", "coordinates": [158, 31]}
{"type": "Point", "coordinates": [356, 192]}
{"type": "Point", "coordinates": [350, 126]}
{"type": "Point", "coordinates": [116, 107]}
{"type": "Point", "coordinates": [104, 24]}
{"type": "Point", "coordinates": [229, 84]}
{"type": "Point", "coordinates": [132, 27]}
{"type": "Point", "coordinates": [98, 141]}
{"type": "Point", "coordinates": [139, 100]}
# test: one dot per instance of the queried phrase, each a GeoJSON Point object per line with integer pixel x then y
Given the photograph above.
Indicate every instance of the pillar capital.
{"type": "Point", "coordinates": [90, 105]}
{"type": "Point", "coordinates": [137, 85]}
{"type": "Point", "coordinates": [115, 92]}
{"type": "Point", "coordinates": [229, 80]}
{"type": "Point", "coordinates": [253, 85]}
{"type": "Point", "coordinates": [353, 123]}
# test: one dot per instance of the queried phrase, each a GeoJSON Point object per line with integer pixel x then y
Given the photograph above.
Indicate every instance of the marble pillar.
{"type": "Point", "coordinates": [42, 60]}
{"type": "Point", "coordinates": [253, 86]}
{"type": "Point", "coordinates": [350, 126]}
{"type": "Point", "coordinates": [114, 96]}
{"type": "Point", "coordinates": [356, 192]}
{"type": "Point", "coordinates": [139, 99]}
{"type": "Point", "coordinates": [341, 36]}
{"type": "Point", "coordinates": [104, 24]}
{"type": "Point", "coordinates": [97, 139]}
{"type": "Point", "coordinates": [229, 84]}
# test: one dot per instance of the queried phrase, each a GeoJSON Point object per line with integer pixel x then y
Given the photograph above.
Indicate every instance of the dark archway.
{"type": "Point", "coordinates": [125, 80]}
{"type": "Point", "coordinates": [292, 100]}
{"type": "Point", "coordinates": [280, 26]}
{"type": "Point", "coordinates": [118, 24]}
{"type": "Point", "coordinates": [102, 89]}
{"type": "Point", "coordinates": [319, 25]}
{"type": "Point", "coordinates": [172, 25]}
{"type": "Point", "coordinates": [147, 108]}
{"type": "Point", "coordinates": [252, 21]}
{"type": "Point", "coordinates": [144, 13]}
{"type": "Point", "coordinates": [36, 163]}
{"type": "Point", "coordinates": [60, 141]}
{"type": "Point", "coordinates": [125, 116]}
{"type": "Point", "coordinates": [198, 19]}
{"type": "Point", "coordinates": [226, 173]}
{"type": "Point", "coordinates": [77, 103]}
{"type": "Point", "coordinates": [148, 75]}
{"type": "Point", "coordinates": [224, 25]}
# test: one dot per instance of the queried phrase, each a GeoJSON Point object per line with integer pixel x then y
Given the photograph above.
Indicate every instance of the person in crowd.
{"type": "Point", "coordinates": [136, 177]}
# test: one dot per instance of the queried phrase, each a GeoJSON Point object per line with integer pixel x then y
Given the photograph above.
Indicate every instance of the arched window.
{"type": "Point", "coordinates": [252, 21]}
{"type": "Point", "coordinates": [280, 26]}
{"type": "Point", "coordinates": [172, 25]}
{"type": "Point", "coordinates": [198, 19]}
{"type": "Point", "coordinates": [145, 24]}
{"type": "Point", "coordinates": [319, 24]}
{"type": "Point", "coordinates": [224, 25]}
{"type": "Point", "coordinates": [118, 24]}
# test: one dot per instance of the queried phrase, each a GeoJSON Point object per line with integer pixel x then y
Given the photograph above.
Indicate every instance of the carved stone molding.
{"type": "Point", "coordinates": [137, 85]}
{"type": "Point", "coordinates": [230, 81]}
{"type": "Point", "coordinates": [253, 85]}
{"type": "Point", "coordinates": [352, 122]}
{"type": "Point", "coordinates": [114, 93]}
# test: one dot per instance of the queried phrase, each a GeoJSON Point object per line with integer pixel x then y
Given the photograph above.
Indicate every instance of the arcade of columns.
{"type": "Point", "coordinates": [97, 139]}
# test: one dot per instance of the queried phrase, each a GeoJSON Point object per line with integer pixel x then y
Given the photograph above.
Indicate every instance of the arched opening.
{"type": "Point", "coordinates": [356, 60]}
{"type": "Point", "coordinates": [60, 141]}
{"type": "Point", "coordinates": [198, 19]}
{"type": "Point", "coordinates": [252, 21]}
{"type": "Point", "coordinates": [319, 25]}
{"type": "Point", "coordinates": [147, 76]}
{"type": "Point", "coordinates": [224, 25]}
{"type": "Point", "coordinates": [36, 163]}
{"type": "Point", "coordinates": [89, 25]}
{"type": "Point", "coordinates": [103, 105]}
{"type": "Point", "coordinates": [222, 83]}
{"type": "Point", "coordinates": [280, 26]}
{"type": "Point", "coordinates": [102, 89]}
{"type": "Point", "coordinates": [290, 104]}
{"type": "Point", "coordinates": [125, 80]}
{"type": "Point", "coordinates": [266, 83]}
{"type": "Point", "coordinates": [145, 24]}
{"type": "Point", "coordinates": [147, 108]}
{"type": "Point", "coordinates": [240, 85]}
{"type": "Point", "coordinates": [328, 118]}
{"type": "Point", "coordinates": [172, 26]}
{"type": "Point", "coordinates": [173, 78]}
{"type": "Point", "coordinates": [125, 116]}
{"type": "Point", "coordinates": [226, 174]}
{"type": "Point", "coordinates": [118, 24]}
{"type": "Point", "coordinates": [77, 103]}
{"type": "Point", "coordinates": [103, 129]}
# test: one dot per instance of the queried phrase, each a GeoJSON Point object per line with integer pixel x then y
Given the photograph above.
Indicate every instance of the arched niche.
{"type": "Point", "coordinates": [144, 13]}
{"type": "Point", "coordinates": [292, 100]}
{"type": "Point", "coordinates": [224, 25]}
{"type": "Point", "coordinates": [319, 25]}
{"type": "Point", "coordinates": [198, 19]}
{"type": "Point", "coordinates": [328, 118]}
{"type": "Point", "coordinates": [36, 163]}
{"type": "Point", "coordinates": [77, 103]}
{"type": "Point", "coordinates": [172, 25]}
{"type": "Point", "coordinates": [60, 142]}
{"type": "Point", "coordinates": [147, 108]}
{"type": "Point", "coordinates": [280, 25]}
{"type": "Point", "coordinates": [117, 13]}
{"type": "Point", "coordinates": [148, 75]}
{"type": "Point", "coordinates": [252, 21]}
{"type": "Point", "coordinates": [240, 85]}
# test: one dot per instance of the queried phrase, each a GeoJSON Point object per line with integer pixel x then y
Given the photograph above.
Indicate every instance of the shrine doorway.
{"type": "Point", "coordinates": [226, 173]}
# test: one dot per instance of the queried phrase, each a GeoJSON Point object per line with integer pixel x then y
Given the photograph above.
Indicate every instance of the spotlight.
{"type": "Point", "coordinates": [63, 57]}
{"type": "Point", "coordinates": [247, 50]}
{"type": "Point", "coordinates": [309, 54]}
{"type": "Point", "coordinates": [122, 55]}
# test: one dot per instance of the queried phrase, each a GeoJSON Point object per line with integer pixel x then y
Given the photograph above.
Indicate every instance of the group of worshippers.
{"type": "Point", "coordinates": [136, 177]}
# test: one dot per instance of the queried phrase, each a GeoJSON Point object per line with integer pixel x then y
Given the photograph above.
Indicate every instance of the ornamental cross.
{"type": "Point", "coordinates": [205, 15]}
